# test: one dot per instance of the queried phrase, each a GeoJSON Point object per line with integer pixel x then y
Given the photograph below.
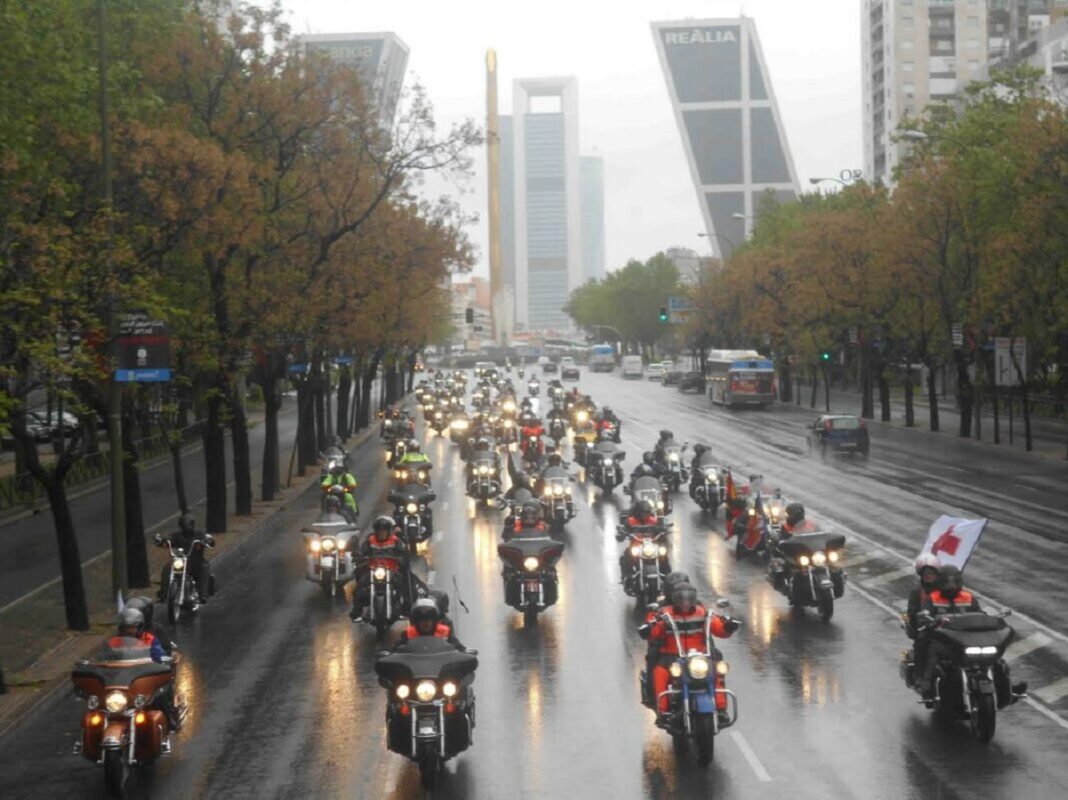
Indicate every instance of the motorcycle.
{"type": "Point", "coordinates": [650, 490]}
{"type": "Point", "coordinates": [504, 430]}
{"type": "Point", "coordinates": [430, 716]}
{"type": "Point", "coordinates": [611, 429]}
{"type": "Point", "coordinates": [558, 507]}
{"type": "Point", "coordinates": [121, 730]}
{"type": "Point", "coordinates": [395, 451]}
{"type": "Point", "coordinates": [804, 569]}
{"type": "Point", "coordinates": [183, 590]}
{"type": "Point", "coordinates": [484, 481]}
{"type": "Point", "coordinates": [384, 603]}
{"type": "Point", "coordinates": [557, 429]}
{"type": "Point", "coordinates": [532, 448]}
{"type": "Point", "coordinates": [708, 487]}
{"type": "Point", "coordinates": [327, 562]}
{"type": "Point", "coordinates": [754, 539]}
{"type": "Point", "coordinates": [334, 457]}
{"type": "Point", "coordinates": [533, 387]}
{"type": "Point", "coordinates": [675, 473]}
{"type": "Point", "coordinates": [700, 704]}
{"type": "Point", "coordinates": [412, 473]}
{"type": "Point", "coordinates": [458, 428]}
{"type": "Point", "coordinates": [439, 422]}
{"type": "Point", "coordinates": [972, 682]}
{"type": "Point", "coordinates": [341, 493]}
{"type": "Point", "coordinates": [603, 465]}
{"type": "Point", "coordinates": [647, 566]}
{"type": "Point", "coordinates": [412, 514]}
{"type": "Point", "coordinates": [529, 574]}
{"type": "Point", "coordinates": [775, 512]}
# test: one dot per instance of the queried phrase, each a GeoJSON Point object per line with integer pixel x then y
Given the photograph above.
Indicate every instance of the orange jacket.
{"type": "Point", "coordinates": [940, 605]}
{"type": "Point", "coordinates": [441, 631]}
{"type": "Point", "coordinates": [691, 628]}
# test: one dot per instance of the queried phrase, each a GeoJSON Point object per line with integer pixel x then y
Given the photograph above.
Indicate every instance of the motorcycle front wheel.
{"type": "Point", "coordinates": [704, 739]}
{"type": "Point", "coordinates": [826, 607]}
{"type": "Point", "coordinates": [984, 718]}
{"type": "Point", "coordinates": [530, 615]}
{"type": "Point", "coordinates": [174, 605]}
{"type": "Point", "coordinates": [116, 771]}
{"type": "Point", "coordinates": [429, 768]}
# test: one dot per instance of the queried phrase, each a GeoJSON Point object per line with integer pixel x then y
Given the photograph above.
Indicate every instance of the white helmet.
{"type": "Point", "coordinates": [926, 561]}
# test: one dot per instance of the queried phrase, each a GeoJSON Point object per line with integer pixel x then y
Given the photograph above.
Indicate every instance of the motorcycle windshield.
{"type": "Point", "coordinates": [517, 550]}
{"type": "Point", "coordinates": [805, 544]}
{"type": "Point", "coordinates": [646, 485]}
{"type": "Point", "coordinates": [975, 630]}
{"type": "Point", "coordinates": [555, 474]}
{"type": "Point", "coordinates": [426, 658]}
{"type": "Point", "coordinates": [121, 665]}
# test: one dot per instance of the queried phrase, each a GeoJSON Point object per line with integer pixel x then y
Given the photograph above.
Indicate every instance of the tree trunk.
{"type": "Point", "coordinates": [867, 399]}
{"type": "Point", "coordinates": [92, 433]}
{"type": "Point", "coordinates": [214, 437]}
{"type": "Point", "coordinates": [932, 396]}
{"type": "Point", "coordinates": [175, 446]}
{"type": "Point", "coordinates": [910, 409]}
{"type": "Point", "coordinates": [786, 385]}
{"type": "Point", "coordinates": [320, 381]}
{"type": "Point", "coordinates": [827, 389]}
{"type": "Point", "coordinates": [136, 550]}
{"type": "Point", "coordinates": [815, 387]}
{"type": "Point", "coordinates": [884, 395]}
{"type": "Point", "coordinates": [240, 449]}
{"type": "Point", "coordinates": [272, 402]}
{"type": "Point", "coordinates": [305, 426]}
{"type": "Point", "coordinates": [965, 393]}
{"type": "Point", "coordinates": [344, 389]}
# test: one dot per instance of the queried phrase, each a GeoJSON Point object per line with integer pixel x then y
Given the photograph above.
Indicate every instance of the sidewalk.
{"type": "Point", "coordinates": [37, 651]}
{"type": "Point", "coordinates": [1049, 437]}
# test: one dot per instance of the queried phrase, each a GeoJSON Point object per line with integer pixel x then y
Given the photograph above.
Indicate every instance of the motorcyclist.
{"type": "Point", "coordinates": [340, 476]}
{"type": "Point", "coordinates": [441, 597]}
{"type": "Point", "coordinates": [414, 457]}
{"type": "Point", "coordinates": [385, 545]}
{"type": "Point", "coordinates": [532, 429]}
{"type": "Point", "coordinates": [335, 452]}
{"type": "Point", "coordinates": [926, 566]}
{"type": "Point", "coordinates": [795, 521]}
{"type": "Point", "coordinates": [528, 521]}
{"type": "Point", "coordinates": [641, 515]}
{"type": "Point", "coordinates": [196, 562]}
{"type": "Point", "coordinates": [751, 521]}
{"type": "Point", "coordinates": [164, 700]}
{"type": "Point", "coordinates": [649, 468]}
{"type": "Point", "coordinates": [659, 449]}
{"type": "Point", "coordinates": [686, 616]}
{"type": "Point", "coordinates": [607, 420]}
{"type": "Point", "coordinates": [425, 620]}
{"type": "Point", "coordinates": [950, 597]}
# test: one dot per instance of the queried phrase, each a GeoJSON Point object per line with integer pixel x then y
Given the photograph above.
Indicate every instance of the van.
{"type": "Point", "coordinates": [632, 367]}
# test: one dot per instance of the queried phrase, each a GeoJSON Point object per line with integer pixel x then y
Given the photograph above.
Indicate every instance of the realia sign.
{"type": "Point", "coordinates": [701, 36]}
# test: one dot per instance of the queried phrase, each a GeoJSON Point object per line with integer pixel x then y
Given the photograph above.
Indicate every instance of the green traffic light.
{"type": "Point", "coordinates": [825, 356]}
{"type": "Point", "coordinates": [663, 314]}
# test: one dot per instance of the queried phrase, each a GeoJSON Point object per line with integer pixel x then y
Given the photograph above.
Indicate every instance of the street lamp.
{"type": "Point", "coordinates": [738, 215]}
{"type": "Point", "coordinates": [722, 236]}
{"type": "Point", "coordinates": [914, 135]}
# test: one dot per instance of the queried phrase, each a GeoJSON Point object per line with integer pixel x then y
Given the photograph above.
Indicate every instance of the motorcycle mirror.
{"type": "Point", "coordinates": [382, 653]}
{"type": "Point", "coordinates": [652, 607]}
{"type": "Point", "coordinates": [209, 539]}
{"type": "Point", "coordinates": [158, 540]}
{"type": "Point", "coordinates": [723, 602]}
{"type": "Point", "coordinates": [1006, 612]}
{"type": "Point", "coordinates": [471, 651]}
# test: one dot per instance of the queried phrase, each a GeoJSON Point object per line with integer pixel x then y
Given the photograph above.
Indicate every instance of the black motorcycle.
{"type": "Point", "coordinates": [530, 581]}
{"type": "Point", "coordinates": [971, 681]}
{"type": "Point", "coordinates": [645, 564]}
{"type": "Point", "coordinates": [484, 478]}
{"type": "Point", "coordinates": [412, 513]}
{"type": "Point", "coordinates": [604, 466]}
{"type": "Point", "coordinates": [708, 486]}
{"type": "Point", "coordinates": [184, 591]}
{"type": "Point", "coordinates": [557, 429]}
{"type": "Point", "coordinates": [652, 491]}
{"type": "Point", "coordinates": [430, 716]}
{"type": "Point", "coordinates": [557, 505]}
{"type": "Point", "coordinates": [804, 568]}
{"type": "Point", "coordinates": [673, 472]}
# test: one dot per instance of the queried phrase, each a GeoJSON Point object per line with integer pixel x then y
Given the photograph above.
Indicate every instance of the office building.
{"type": "Point", "coordinates": [591, 178]}
{"type": "Point", "coordinates": [729, 121]}
{"type": "Point", "coordinates": [548, 218]}
{"type": "Point", "coordinates": [381, 59]}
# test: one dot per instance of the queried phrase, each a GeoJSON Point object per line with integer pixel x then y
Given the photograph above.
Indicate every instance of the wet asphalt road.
{"type": "Point", "coordinates": [285, 703]}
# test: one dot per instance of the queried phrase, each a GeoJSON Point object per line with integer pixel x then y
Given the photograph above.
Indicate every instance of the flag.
{"type": "Point", "coordinates": [953, 539]}
{"type": "Point", "coordinates": [732, 491]}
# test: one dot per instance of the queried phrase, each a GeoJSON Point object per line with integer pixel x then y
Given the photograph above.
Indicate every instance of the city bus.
{"type": "Point", "coordinates": [602, 358]}
{"type": "Point", "coordinates": [740, 377]}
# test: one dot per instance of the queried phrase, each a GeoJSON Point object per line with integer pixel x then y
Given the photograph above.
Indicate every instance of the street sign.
{"type": "Point", "coordinates": [144, 350]}
{"type": "Point", "coordinates": [1004, 349]}
{"type": "Point", "coordinates": [958, 334]}
{"type": "Point", "coordinates": [679, 309]}
{"type": "Point", "coordinates": [343, 360]}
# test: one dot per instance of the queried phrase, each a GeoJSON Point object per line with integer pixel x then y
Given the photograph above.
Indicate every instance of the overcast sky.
{"type": "Point", "coordinates": [812, 48]}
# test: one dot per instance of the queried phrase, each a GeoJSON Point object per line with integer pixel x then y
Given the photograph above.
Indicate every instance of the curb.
{"type": "Point", "coordinates": [52, 690]}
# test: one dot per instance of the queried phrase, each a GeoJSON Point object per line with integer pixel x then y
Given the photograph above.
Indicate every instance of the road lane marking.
{"type": "Point", "coordinates": [751, 757]}
{"type": "Point", "coordinates": [1022, 647]}
{"type": "Point", "coordinates": [1052, 692]}
{"type": "Point", "coordinates": [888, 577]}
{"type": "Point", "coordinates": [1053, 716]}
{"type": "Point", "coordinates": [876, 601]}
{"type": "Point", "coordinates": [431, 575]}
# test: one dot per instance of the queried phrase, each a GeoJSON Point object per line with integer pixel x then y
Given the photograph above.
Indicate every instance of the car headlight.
{"type": "Point", "coordinates": [116, 702]}
{"type": "Point", "coordinates": [722, 668]}
{"type": "Point", "coordinates": [411, 508]}
{"type": "Point", "coordinates": [178, 564]}
{"type": "Point", "coordinates": [607, 462]}
{"type": "Point", "coordinates": [449, 689]}
{"type": "Point", "coordinates": [328, 544]}
{"type": "Point", "coordinates": [558, 489]}
{"type": "Point", "coordinates": [819, 558]}
{"type": "Point", "coordinates": [675, 669]}
{"type": "Point", "coordinates": [803, 561]}
{"type": "Point", "coordinates": [530, 564]}
{"type": "Point", "coordinates": [698, 667]}
{"type": "Point", "coordinates": [380, 573]}
{"type": "Point", "coordinates": [832, 556]}
{"type": "Point", "coordinates": [425, 690]}
{"type": "Point", "coordinates": [403, 691]}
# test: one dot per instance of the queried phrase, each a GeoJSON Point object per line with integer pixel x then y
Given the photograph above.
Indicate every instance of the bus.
{"type": "Point", "coordinates": [602, 358]}
{"type": "Point", "coordinates": [740, 377]}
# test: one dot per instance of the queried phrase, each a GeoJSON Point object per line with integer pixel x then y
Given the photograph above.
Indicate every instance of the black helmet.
{"type": "Point", "coordinates": [332, 504]}
{"type": "Point", "coordinates": [555, 460]}
{"type": "Point", "coordinates": [795, 512]}
{"type": "Point", "coordinates": [413, 446]}
{"type": "Point", "coordinates": [643, 508]}
{"type": "Point", "coordinates": [683, 594]}
{"type": "Point", "coordinates": [530, 513]}
{"type": "Point", "coordinates": [700, 449]}
{"type": "Point", "coordinates": [425, 616]}
{"type": "Point", "coordinates": [674, 578]}
{"type": "Point", "coordinates": [644, 470]}
{"type": "Point", "coordinates": [131, 622]}
{"type": "Point", "coordinates": [606, 411]}
{"type": "Point", "coordinates": [145, 606]}
{"type": "Point", "coordinates": [950, 581]}
{"type": "Point", "coordinates": [665, 434]}
{"type": "Point", "coordinates": [441, 597]}
{"type": "Point", "coordinates": [187, 523]}
{"type": "Point", "coordinates": [382, 523]}
{"type": "Point", "coordinates": [648, 458]}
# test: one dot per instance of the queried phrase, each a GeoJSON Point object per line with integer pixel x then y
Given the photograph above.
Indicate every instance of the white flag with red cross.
{"type": "Point", "coordinates": [953, 539]}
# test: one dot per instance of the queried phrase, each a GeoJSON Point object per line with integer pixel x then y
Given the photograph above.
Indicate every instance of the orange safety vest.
{"type": "Point", "coordinates": [440, 631]}
{"type": "Point", "coordinates": [939, 604]}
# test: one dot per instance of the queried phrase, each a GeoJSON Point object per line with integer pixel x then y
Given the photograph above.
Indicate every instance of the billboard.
{"type": "Point", "coordinates": [729, 122]}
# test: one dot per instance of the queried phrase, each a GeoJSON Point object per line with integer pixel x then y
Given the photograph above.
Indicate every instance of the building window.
{"type": "Point", "coordinates": [907, 66]}
{"type": "Point", "coordinates": [906, 44]}
{"type": "Point", "coordinates": [944, 44]}
{"type": "Point", "coordinates": [909, 89]}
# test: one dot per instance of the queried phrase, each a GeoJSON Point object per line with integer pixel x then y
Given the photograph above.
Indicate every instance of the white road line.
{"type": "Point", "coordinates": [1053, 716]}
{"type": "Point", "coordinates": [888, 577]}
{"type": "Point", "coordinates": [431, 575]}
{"type": "Point", "coordinates": [444, 505]}
{"type": "Point", "coordinates": [751, 757]}
{"type": "Point", "coordinates": [1052, 692]}
{"type": "Point", "coordinates": [875, 601]}
{"type": "Point", "coordinates": [1019, 649]}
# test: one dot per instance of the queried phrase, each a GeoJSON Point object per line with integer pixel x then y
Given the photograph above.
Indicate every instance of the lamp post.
{"type": "Point", "coordinates": [722, 236]}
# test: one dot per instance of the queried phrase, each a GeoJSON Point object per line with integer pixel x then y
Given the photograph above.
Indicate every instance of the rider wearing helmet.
{"type": "Point", "coordinates": [529, 519]}
{"type": "Point", "coordinates": [641, 514]}
{"type": "Point", "coordinates": [424, 620]}
{"type": "Point", "coordinates": [666, 437]}
{"type": "Point", "coordinates": [340, 476]}
{"type": "Point", "coordinates": [197, 566]}
{"type": "Point", "coordinates": [948, 598]}
{"type": "Point", "coordinates": [149, 632]}
{"type": "Point", "coordinates": [926, 566]}
{"type": "Point", "coordinates": [383, 547]}
{"type": "Point", "coordinates": [441, 597]}
{"type": "Point", "coordinates": [131, 625]}
{"type": "Point", "coordinates": [795, 521]}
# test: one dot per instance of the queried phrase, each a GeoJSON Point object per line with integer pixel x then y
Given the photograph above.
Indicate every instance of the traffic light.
{"type": "Point", "coordinates": [469, 315]}
{"type": "Point", "coordinates": [663, 314]}
{"type": "Point", "coordinates": [825, 356]}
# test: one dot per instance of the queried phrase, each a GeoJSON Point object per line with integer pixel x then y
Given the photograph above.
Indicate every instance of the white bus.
{"type": "Point", "coordinates": [602, 358]}
{"type": "Point", "coordinates": [740, 377]}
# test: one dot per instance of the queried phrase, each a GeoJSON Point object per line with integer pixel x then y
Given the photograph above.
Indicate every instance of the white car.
{"type": "Point", "coordinates": [655, 372]}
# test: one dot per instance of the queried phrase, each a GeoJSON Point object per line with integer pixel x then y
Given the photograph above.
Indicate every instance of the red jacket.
{"type": "Point", "coordinates": [441, 631]}
{"type": "Point", "coordinates": [384, 554]}
{"type": "Point", "coordinates": [519, 527]}
{"type": "Point", "coordinates": [691, 628]}
{"type": "Point", "coordinates": [638, 522]}
{"type": "Point", "coordinates": [939, 605]}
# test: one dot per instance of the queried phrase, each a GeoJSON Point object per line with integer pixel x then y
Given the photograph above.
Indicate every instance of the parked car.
{"type": "Point", "coordinates": [672, 376]}
{"type": "Point", "coordinates": [654, 372]}
{"type": "Point", "coordinates": [838, 433]}
{"type": "Point", "coordinates": [692, 380]}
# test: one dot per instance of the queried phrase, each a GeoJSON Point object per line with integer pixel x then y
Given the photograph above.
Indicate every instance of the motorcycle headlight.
{"type": "Point", "coordinates": [93, 702]}
{"type": "Point", "coordinates": [648, 550]}
{"type": "Point", "coordinates": [712, 478]}
{"type": "Point", "coordinates": [558, 489]}
{"type": "Point", "coordinates": [675, 669]}
{"type": "Point", "coordinates": [803, 561]}
{"type": "Point", "coordinates": [328, 544]}
{"type": "Point", "coordinates": [660, 505]}
{"type": "Point", "coordinates": [722, 668]}
{"type": "Point", "coordinates": [449, 689]}
{"type": "Point", "coordinates": [380, 573]}
{"type": "Point", "coordinates": [508, 423]}
{"type": "Point", "coordinates": [340, 544]}
{"type": "Point", "coordinates": [398, 474]}
{"type": "Point", "coordinates": [425, 690]}
{"type": "Point", "coordinates": [607, 462]}
{"type": "Point", "coordinates": [411, 508]}
{"type": "Point", "coordinates": [116, 702]}
{"type": "Point", "coordinates": [698, 667]}
{"type": "Point", "coordinates": [437, 415]}
{"type": "Point", "coordinates": [483, 470]}
{"type": "Point", "coordinates": [751, 512]}
{"type": "Point", "coordinates": [509, 406]}
{"type": "Point", "coordinates": [389, 456]}
{"type": "Point", "coordinates": [547, 491]}
{"type": "Point", "coordinates": [832, 556]}
{"type": "Point", "coordinates": [530, 564]}
{"type": "Point", "coordinates": [662, 550]}
{"type": "Point", "coordinates": [403, 691]}
{"type": "Point", "coordinates": [673, 456]}
{"type": "Point", "coordinates": [980, 651]}
{"type": "Point", "coordinates": [636, 550]}
{"type": "Point", "coordinates": [422, 474]}
{"type": "Point", "coordinates": [178, 564]}
{"type": "Point", "coordinates": [819, 558]}
{"type": "Point", "coordinates": [314, 545]}
{"type": "Point", "coordinates": [582, 416]}
{"type": "Point", "coordinates": [459, 424]}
